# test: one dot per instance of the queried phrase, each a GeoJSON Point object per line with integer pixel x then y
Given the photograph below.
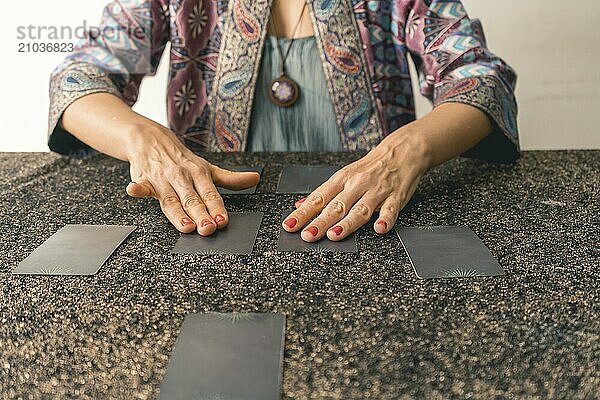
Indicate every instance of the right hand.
{"type": "Point", "coordinates": [183, 183]}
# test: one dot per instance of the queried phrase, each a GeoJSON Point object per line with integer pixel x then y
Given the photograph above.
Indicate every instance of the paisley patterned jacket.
{"type": "Point", "coordinates": [215, 53]}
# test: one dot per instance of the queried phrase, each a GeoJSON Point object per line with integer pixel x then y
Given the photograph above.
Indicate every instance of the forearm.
{"type": "Point", "coordinates": [106, 123]}
{"type": "Point", "coordinates": [448, 131]}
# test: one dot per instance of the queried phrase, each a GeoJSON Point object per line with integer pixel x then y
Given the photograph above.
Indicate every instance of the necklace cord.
{"type": "Point", "coordinates": [272, 20]}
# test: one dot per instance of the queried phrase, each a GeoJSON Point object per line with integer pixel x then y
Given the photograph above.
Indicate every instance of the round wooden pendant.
{"type": "Point", "coordinates": [283, 91]}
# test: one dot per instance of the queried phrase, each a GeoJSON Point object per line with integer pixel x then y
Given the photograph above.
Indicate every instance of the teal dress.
{"type": "Point", "coordinates": [309, 124]}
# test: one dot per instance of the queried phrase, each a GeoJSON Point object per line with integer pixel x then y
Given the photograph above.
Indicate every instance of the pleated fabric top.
{"type": "Point", "coordinates": [309, 124]}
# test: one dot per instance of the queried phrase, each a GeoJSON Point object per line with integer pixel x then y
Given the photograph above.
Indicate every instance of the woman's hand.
{"type": "Point", "coordinates": [183, 183]}
{"type": "Point", "coordinates": [385, 180]}
{"type": "Point", "coordinates": [160, 165]}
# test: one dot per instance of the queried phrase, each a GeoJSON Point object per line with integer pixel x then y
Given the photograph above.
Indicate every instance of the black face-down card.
{"type": "Point", "coordinates": [292, 242]}
{"type": "Point", "coordinates": [301, 179]}
{"type": "Point", "coordinates": [447, 252]}
{"type": "Point", "coordinates": [75, 250]}
{"type": "Point", "coordinates": [236, 238]}
{"type": "Point", "coordinates": [227, 356]}
{"type": "Point", "coordinates": [250, 190]}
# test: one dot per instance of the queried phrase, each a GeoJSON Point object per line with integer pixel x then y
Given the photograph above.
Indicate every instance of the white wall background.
{"type": "Point", "coordinates": [552, 46]}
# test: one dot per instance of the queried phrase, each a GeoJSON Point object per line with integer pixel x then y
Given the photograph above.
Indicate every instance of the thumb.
{"type": "Point", "coordinates": [140, 189]}
{"type": "Point", "coordinates": [234, 180]}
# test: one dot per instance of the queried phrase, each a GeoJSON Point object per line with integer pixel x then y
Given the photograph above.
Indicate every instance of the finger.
{"type": "Point", "coordinates": [388, 214]}
{"type": "Point", "coordinates": [140, 189]}
{"type": "Point", "coordinates": [333, 212]}
{"type": "Point", "coordinates": [193, 205]}
{"type": "Point", "coordinates": [314, 203]}
{"type": "Point", "coordinates": [299, 202]}
{"type": "Point", "coordinates": [211, 199]}
{"type": "Point", "coordinates": [359, 214]}
{"type": "Point", "coordinates": [170, 205]}
{"type": "Point", "coordinates": [233, 180]}
{"type": "Point", "coordinates": [391, 207]}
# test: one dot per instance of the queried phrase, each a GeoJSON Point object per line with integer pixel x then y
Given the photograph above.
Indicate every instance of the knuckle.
{"type": "Point", "coordinates": [191, 201]}
{"type": "Point", "coordinates": [170, 200]}
{"type": "Point", "coordinates": [339, 176]}
{"type": "Point", "coordinates": [200, 169]}
{"type": "Point", "coordinates": [193, 169]}
{"type": "Point", "coordinates": [362, 211]}
{"type": "Point", "coordinates": [336, 207]}
{"type": "Point", "coordinates": [358, 178]}
{"type": "Point", "coordinates": [178, 171]}
{"type": "Point", "coordinates": [350, 223]}
{"type": "Point", "coordinates": [180, 176]}
{"type": "Point", "coordinates": [303, 214]}
{"type": "Point", "coordinates": [382, 191]}
{"type": "Point", "coordinates": [346, 169]}
{"type": "Point", "coordinates": [299, 213]}
{"type": "Point", "coordinates": [211, 195]}
{"type": "Point", "coordinates": [316, 199]}
{"type": "Point", "coordinates": [362, 176]}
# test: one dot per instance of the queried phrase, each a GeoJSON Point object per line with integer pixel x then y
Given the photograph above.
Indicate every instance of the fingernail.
{"type": "Point", "coordinates": [302, 200]}
{"type": "Point", "coordinates": [313, 230]}
{"type": "Point", "coordinates": [219, 218]}
{"type": "Point", "coordinates": [186, 221]}
{"type": "Point", "coordinates": [382, 223]}
{"type": "Point", "coordinates": [337, 230]}
{"type": "Point", "coordinates": [290, 222]}
{"type": "Point", "coordinates": [205, 222]}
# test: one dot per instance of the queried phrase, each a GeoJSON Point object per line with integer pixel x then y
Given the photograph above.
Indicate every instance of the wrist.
{"type": "Point", "coordinates": [413, 144]}
{"type": "Point", "coordinates": [137, 137]}
{"type": "Point", "coordinates": [146, 137]}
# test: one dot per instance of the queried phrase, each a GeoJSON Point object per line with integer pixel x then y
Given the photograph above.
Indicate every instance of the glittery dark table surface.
{"type": "Point", "coordinates": [359, 326]}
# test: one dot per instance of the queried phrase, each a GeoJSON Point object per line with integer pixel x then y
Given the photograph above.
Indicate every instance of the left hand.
{"type": "Point", "coordinates": [384, 180]}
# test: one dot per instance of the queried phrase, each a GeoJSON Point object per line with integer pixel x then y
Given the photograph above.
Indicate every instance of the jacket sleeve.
{"type": "Point", "coordinates": [114, 58]}
{"type": "Point", "coordinates": [455, 65]}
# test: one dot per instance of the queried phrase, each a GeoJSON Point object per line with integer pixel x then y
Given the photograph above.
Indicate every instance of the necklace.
{"type": "Point", "coordinates": [284, 91]}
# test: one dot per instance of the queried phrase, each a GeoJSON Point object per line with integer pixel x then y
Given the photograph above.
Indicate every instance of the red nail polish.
{"type": "Point", "coordinates": [313, 230]}
{"type": "Point", "coordinates": [219, 218]}
{"type": "Point", "coordinates": [291, 222]}
{"type": "Point", "coordinates": [302, 200]}
{"type": "Point", "coordinates": [382, 223]}
{"type": "Point", "coordinates": [205, 222]}
{"type": "Point", "coordinates": [186, 221]}
{"type": "Point", "coordinates": [337, 230]}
